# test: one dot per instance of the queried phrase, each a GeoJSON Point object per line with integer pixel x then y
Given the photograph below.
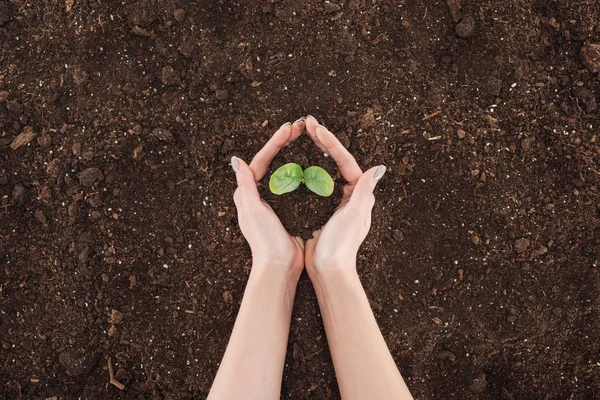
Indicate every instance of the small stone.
{"type": "Point", "coordinates": [44, 140]}
{"type": "Point", "coordinates": [554, 23]}
{"type": "Point", "coordinates": [40, 217]}
{"type": "Point", "coordinates": [138, 152]}
{"type": "Point", "coordinates": [354, 5]}
{"type": "Point", "coordinates": [95, 201]}
{"type": "Point", "coordinates": [521, 245]}
{"type": "Point", "coordinates": [77, 362]}
{"type": "Point", "coordinates": [461, 134]}
{"type": "Point", "coordinates": [162, 134]}
{"type": "Point", "coordinates": [479, 384]}
{"type": "Point", "coordinates": [116, 317]}
{"type": "Point", "coordinates": [398, 235]}
{"type": "Point", "coordinates": [227, 297]}
{"type": "Point", "coordinates": [465, 27]}
{"type": "Point", "coordinates": [446, 355]}
{"type": "Point", "coordinates": [89, 176]}
{"type": "Point", "coordinates": [23, 139]}
{"type": "Point", "coordinates": [53, 168]}
{"type": "Point", "coordinates": [112, 331]}
{"type": "Point", "coordinates": [84, 256]}
{"type": "Point", "coordinates": [18, 192]}
{"type": "Point", "coordinates": [455, 9]}
{"type": "Point", "coordinates": [330, 7]}
{"type": "Point", "coordinates": [179, 15]}
{"type": "Point", "coordinates": [368, 119]}
{"type": "Point", "coordinates": [590, 55]}
{"type": "Point", "coordinates": [170, 77]}
{"type": "Point", "coordinates": [586, 99]}
{"type": "Point", "coordinates": [142, 32]}
{"type": "Point", "coordinates": [222, 94]}
{"type": "Point", "coordinates": [539, 252]}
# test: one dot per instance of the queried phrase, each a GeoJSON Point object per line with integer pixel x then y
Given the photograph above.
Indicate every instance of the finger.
{"type": "Point", "coordinates": [297, 129]}
{"type": "Point", "coordinates": [261, 161]}
{"type": "Point", "coordinates": [362, 197]}
{"type": "Point", "coordinates": [246, 192]}
{"type": "Point", "coordinates": [311, 129]}
{"type": "Point", "coordinates": [344, 160]}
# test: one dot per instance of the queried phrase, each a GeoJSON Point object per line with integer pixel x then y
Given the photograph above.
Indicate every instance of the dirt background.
{"type": "Point", "coordinates": [118, 233]}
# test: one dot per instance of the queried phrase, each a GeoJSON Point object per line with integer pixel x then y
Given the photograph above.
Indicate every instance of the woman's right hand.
{"type": "Point", "coordinates": [334, 247]}
{"type": "Point", "coordinates": [272, 246]}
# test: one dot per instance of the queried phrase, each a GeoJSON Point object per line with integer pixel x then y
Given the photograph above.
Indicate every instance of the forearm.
{"type": "Point", "coordinates": [253, 363]}
{"type": "Point", "coordinates": [363, 364]}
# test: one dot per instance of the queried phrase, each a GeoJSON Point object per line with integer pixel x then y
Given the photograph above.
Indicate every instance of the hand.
{"type": "Point", "coordinates": [271, 245]}
{"type": "Point", "coordinates": [335, 246]}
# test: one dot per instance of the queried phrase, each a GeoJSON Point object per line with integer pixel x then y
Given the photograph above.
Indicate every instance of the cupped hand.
{"type": "Point", "coordinates": [272, 246]}
{"type": "Point", "coordinates": [334, 247]}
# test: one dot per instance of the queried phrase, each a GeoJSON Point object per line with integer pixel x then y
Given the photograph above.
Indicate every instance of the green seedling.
{"type": "Point", "coordinates": [288, 177]}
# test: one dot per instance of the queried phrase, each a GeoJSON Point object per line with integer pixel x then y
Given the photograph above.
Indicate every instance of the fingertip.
{"type": "Point", "coordinates": [320, 128]}
{"type": "Point", "coordinates": [238, 162]}
{"type": "Point", "coordinates": [374, 175]}
{"type": "Point", "coordinates": [297, 128]}
{"type": "Point", "coordinates": [241, 168]}
{"type": "Point", "coordinates": [284, 133]}
{"type": "Point", "coordinates": [379, 172]}
{"type": "Point", "coordinates": [235, 164]}
{"type": "Point", "coordinates": [311, 124]}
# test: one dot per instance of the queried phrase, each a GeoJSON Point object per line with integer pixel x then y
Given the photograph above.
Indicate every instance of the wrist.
{"type": "Point", "coordinates": [333, 274]}
{"type": "Point", "coordinates": [275, 273]}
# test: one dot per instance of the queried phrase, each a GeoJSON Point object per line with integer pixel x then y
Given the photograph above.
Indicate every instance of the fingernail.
{"type": "Point", "coordinates": [322, 127]}
{"type": "Point", "coordinates": [310, 116]}
{"type": "Point", "coordinates": [299, 120]}
{"type": "Point", "coordinates": [380, 171]}
{"type": "Point", "coordinates": [284, 125]}
{"type": "Point", "coordinates": [235, 164]}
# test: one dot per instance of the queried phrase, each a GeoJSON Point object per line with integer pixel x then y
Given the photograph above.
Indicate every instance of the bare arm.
{"type": "Point", "coordinates": [253, 363]}
{"type": "Point", "coordinates": [363, 364]}
{"type": "Point", "coordinates": [252, 367]}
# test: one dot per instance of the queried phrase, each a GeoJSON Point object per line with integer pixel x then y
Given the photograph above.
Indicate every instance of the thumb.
{"type": "Point", "coordinates": [362, 196]}
{"type": "Point", "coordinates": [246, 192]}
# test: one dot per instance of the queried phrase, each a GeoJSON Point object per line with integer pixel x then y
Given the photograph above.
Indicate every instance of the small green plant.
{"type": "Point", "coordinates": [288, 177]}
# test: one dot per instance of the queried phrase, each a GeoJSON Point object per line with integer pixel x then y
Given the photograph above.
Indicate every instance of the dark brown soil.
{"type": "Point", "coordinates": [118, 233]}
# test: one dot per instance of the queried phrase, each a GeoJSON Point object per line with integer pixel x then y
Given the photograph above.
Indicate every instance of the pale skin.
{"type": "Point", "coordinates": [252, 367]}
